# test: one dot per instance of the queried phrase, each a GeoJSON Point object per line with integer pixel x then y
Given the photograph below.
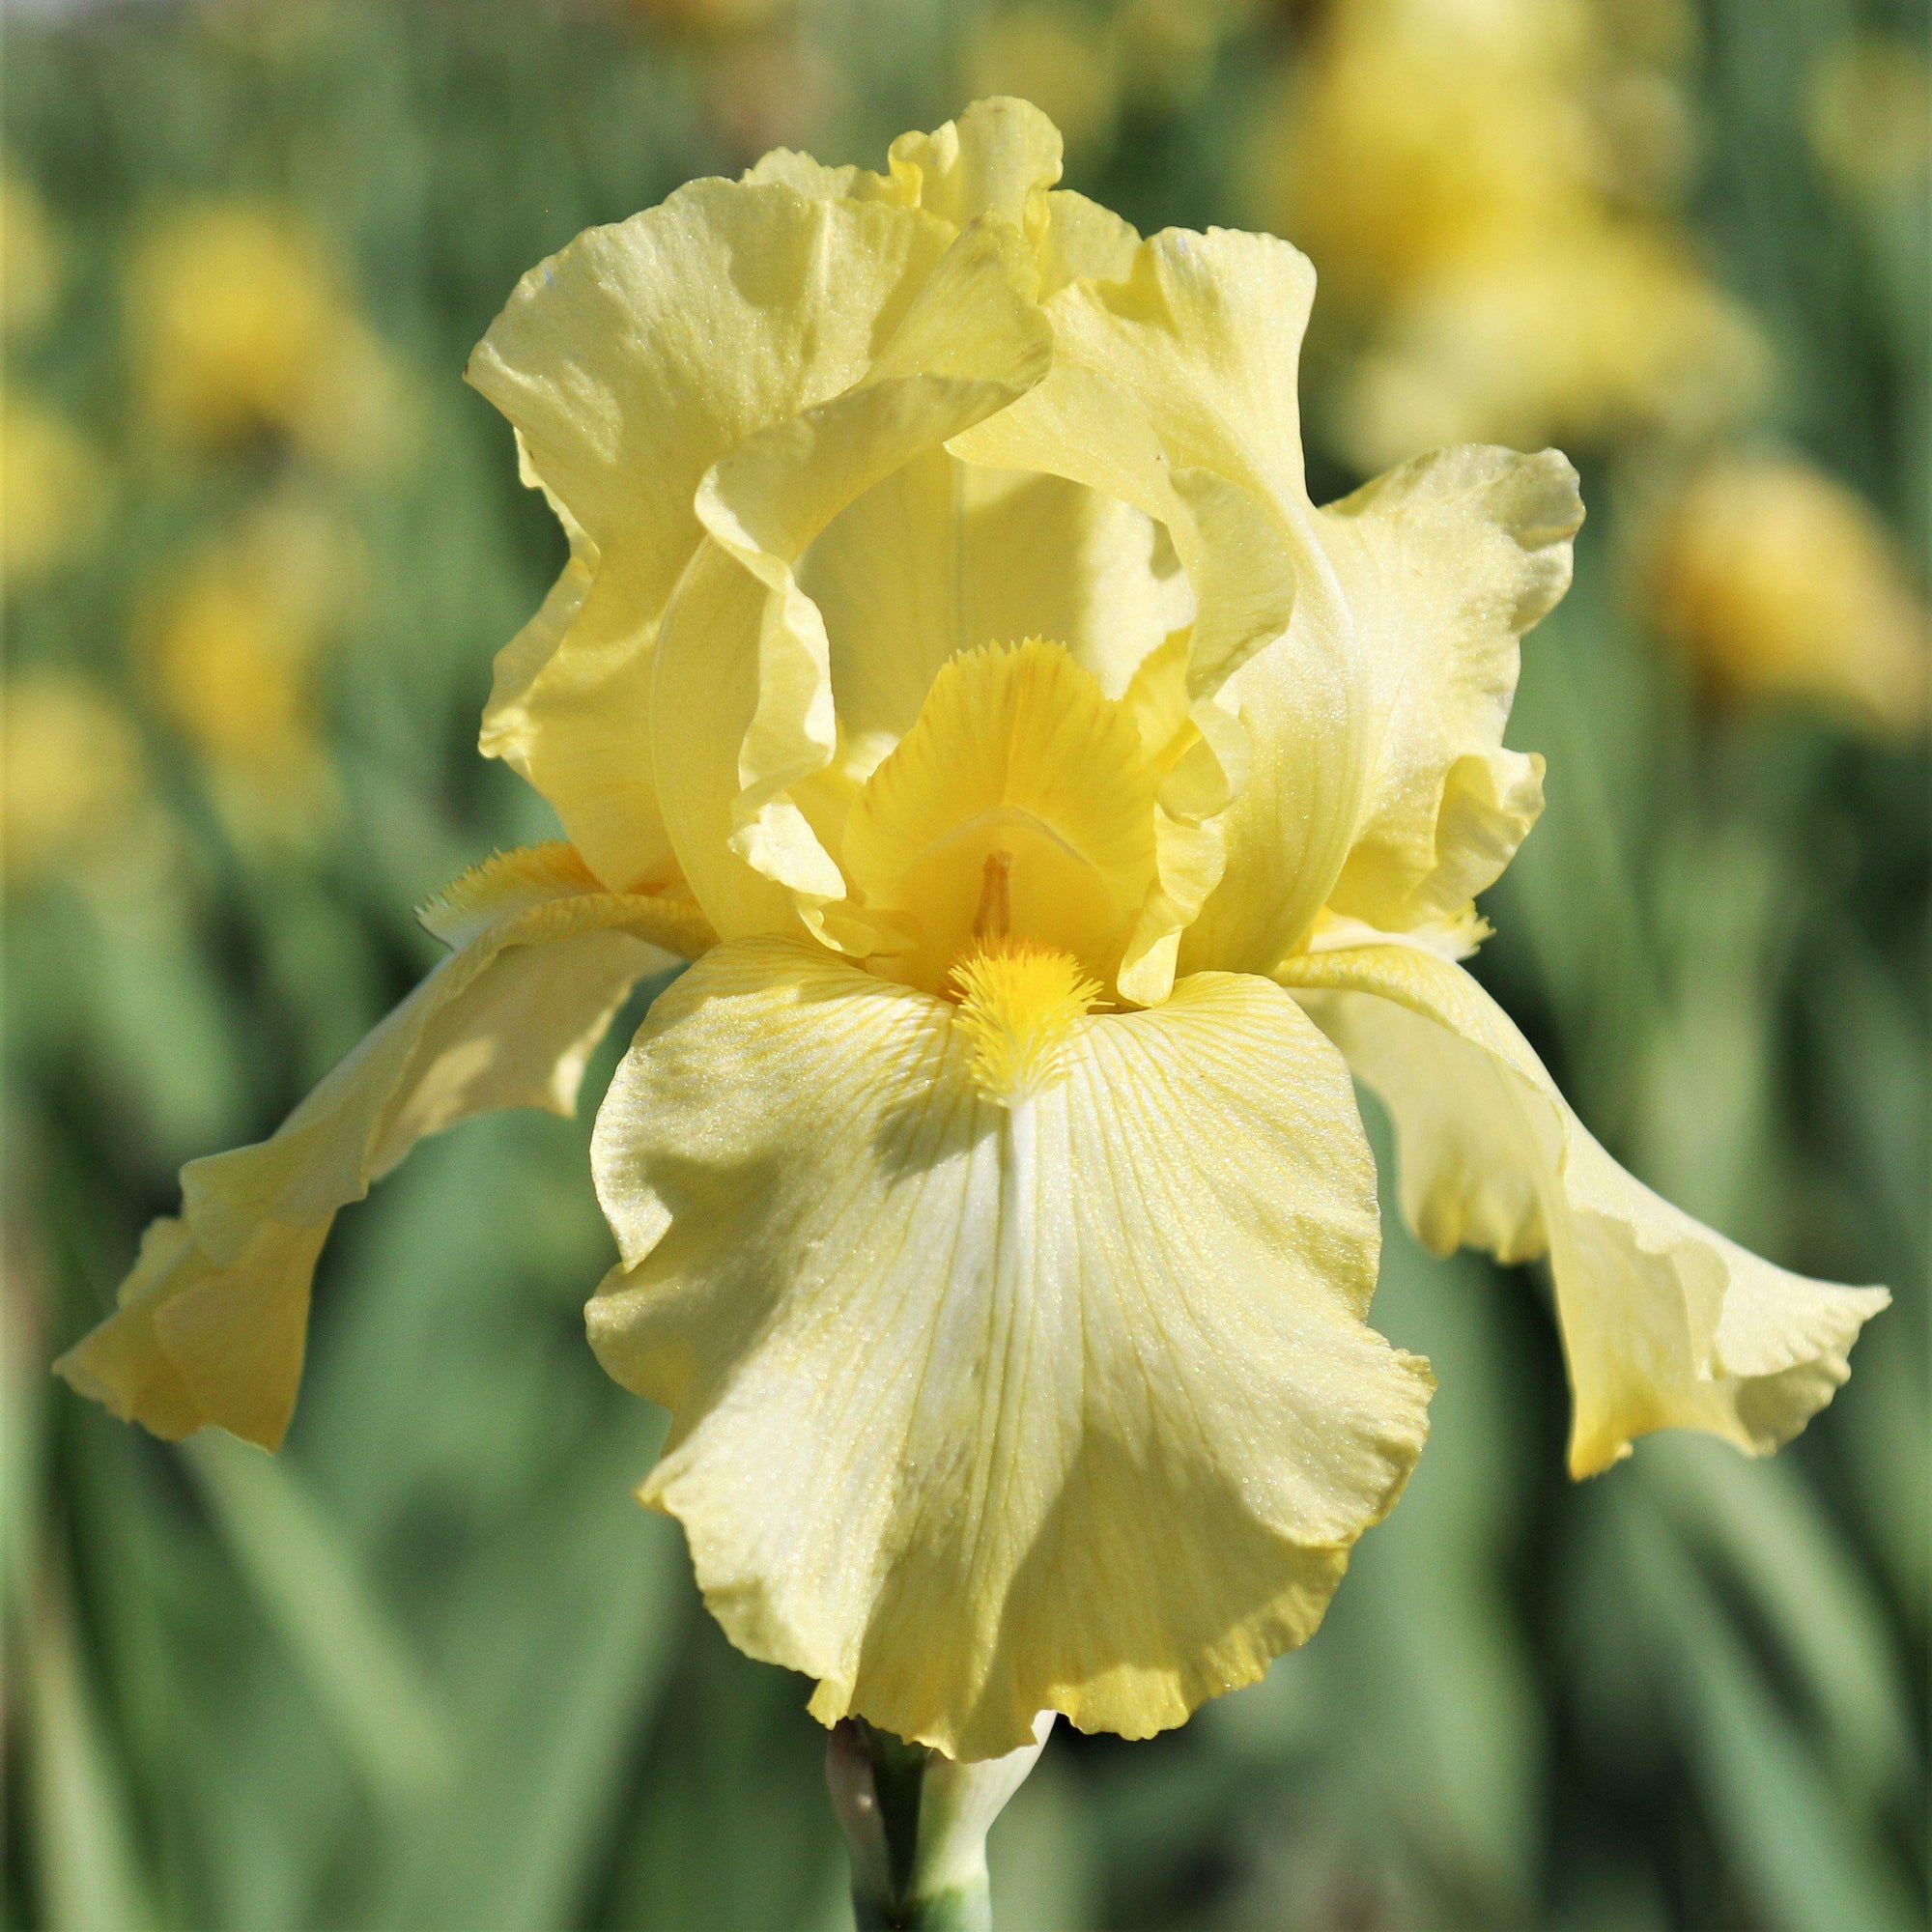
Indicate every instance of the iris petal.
{"type": "Point", "coordinates": [209, 1328]}
{"type": "Point", "coordinates": [630, 364]}
{"type": "Point", "coordinates": [988, 1407]}
{"type": "Point", "coordinates": [1666, 1324]}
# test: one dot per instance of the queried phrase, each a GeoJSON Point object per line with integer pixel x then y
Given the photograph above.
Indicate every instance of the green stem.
{"type": "Point", "coordinates": [916, 1822]}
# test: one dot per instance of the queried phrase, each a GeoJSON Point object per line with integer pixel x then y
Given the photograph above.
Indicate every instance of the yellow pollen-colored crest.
{"type": "Point", "coordinates": [1022, 801]}
{"type": "Point", "coordinates": [1018, 1004]}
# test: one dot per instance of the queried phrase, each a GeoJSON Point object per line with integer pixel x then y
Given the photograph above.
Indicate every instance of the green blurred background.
{"type": "Point", "coordinates": [432, 1667]}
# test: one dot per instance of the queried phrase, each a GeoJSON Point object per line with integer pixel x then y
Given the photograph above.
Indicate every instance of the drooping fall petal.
{"type": "Point", "coordinates": [211, 1325]}
{"type": "Point", "coordinates": [986, 1405]}
{"type": "Point", "coordinates": [1666, 1323]}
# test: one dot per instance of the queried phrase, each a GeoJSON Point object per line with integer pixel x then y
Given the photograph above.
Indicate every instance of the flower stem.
{"type": "Point", "coordinates": [916, 1822]}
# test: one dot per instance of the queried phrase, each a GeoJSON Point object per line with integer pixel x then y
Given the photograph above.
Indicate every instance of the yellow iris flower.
{"type": "Point", "coordinates": [1059, 805]}
{"type": "Point", "coordinates": [1477, 183]}
{"type": "Point", "coordinates": [1780, 582]}
{"type": "Point", "coordinates": [240, 325]}
{"type": "Point", "coordinates": [76, 798]}
{"type": "Point", "coordinates": [55, 490]}
{"type": "Point", "coordinates": [232, 643]}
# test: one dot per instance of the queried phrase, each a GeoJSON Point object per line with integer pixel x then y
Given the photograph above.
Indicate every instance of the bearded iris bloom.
{"type": "Point", "coordinates": [1057, 807]}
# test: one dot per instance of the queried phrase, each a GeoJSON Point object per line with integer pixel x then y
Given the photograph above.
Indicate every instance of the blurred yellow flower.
{"type": "Point", "coordinates": [1780, 582]}
{"type": "Point", "coordinates": [1603, 330]}
{"type": "Point", "coordinates": [950, 653]}
{"type": "Point", "coordinates": [232, 646]}
{"type": "Point", "coordinates": [242, 326]}
{"type": "Point", "coordinates": [31, 265]}
{"type": "Point", "coordinates": [1472, 183]}
{"type": "Point", "coordinates": [75, 797]}
{"type": "Point", "coordinates": [1870, 114]}
{"type": "Point", "coordinates": [54, 491]}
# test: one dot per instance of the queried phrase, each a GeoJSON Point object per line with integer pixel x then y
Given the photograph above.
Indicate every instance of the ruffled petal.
{"type": "Point", "coordinates": [999, 157]}
{"type": "Point", "coordinates": [211, 1325]}
{"type": "Point", "coordinates": [973, 340]}
{"type": "Point", "coordinates": [629, 363]}
{"type": "Point", "coordinates": [1084, 241]}
{"type": "Point", "coordinates": [986, 1406]}
{"type": "Point", "coordinates": [1666, 1324]}
{"type": "Point", "coordinates": [943, 556]}
{"type": "Point", "coordinates": [1445, 563]}
{"type": "Point", "coordinates": [1173, 388]}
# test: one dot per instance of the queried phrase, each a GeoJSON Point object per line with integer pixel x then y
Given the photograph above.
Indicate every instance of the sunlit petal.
{"type": "Point", "coordinates": [957, 1427]}
{"type": "Point", "coordinates": [1666, 1324]}
{"type": "Point", "coordinates": [211, 1325]}
{"type": "Point", "coordinates": [1445, 562]}
{"type": "Point", "coordinates": [630, 364]}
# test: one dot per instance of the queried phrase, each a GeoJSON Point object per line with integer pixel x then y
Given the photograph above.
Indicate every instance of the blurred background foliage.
{"type": "Point", "coordinates": [432, 1667]}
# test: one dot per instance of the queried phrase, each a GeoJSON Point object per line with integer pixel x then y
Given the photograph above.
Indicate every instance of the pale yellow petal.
{"type": "Point", "coordinates": [1084, 241]}
{"type": "Point", "coordinates": [210, 1325]}
{"type": "Point", "coordinates": [192, 1343]}
{"type": "Point", "coordinates": [1445, 563]}
{"type": "Point", "coordinates": [534, 875]}
{"type": "Point", "coordinates": [813, 177]}
{"type": "Point", "coordinates": [943, 556]}
{"type": "Point", "coordinates": [988, 1407]}
{"type": "Point", "coordinates": [1441, 566]}
{"type": "Point", "coordinates": [999, 157]}
{"type": "Point", "coordinates": [1175, 389]}
{"type": "Point", "coordinates": [1666, 1324]}
{"type": "Point", "coordinates": [1018, 752]}
{"type": "Point", "coordinates": [972, 341]}
{"type": "Point", "coordinates": [629, 363]}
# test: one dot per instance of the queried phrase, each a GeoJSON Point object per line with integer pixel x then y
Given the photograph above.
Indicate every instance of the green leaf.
{"type": "Point", "coordinates": [84, 1841]}
{"type": "Point", "coordinates": [312, 1588]}
{"type": "Point", "coordinates": [1762, 1519]}
{"type": "Point", "coordinates": [561, 1637]}
{"type": "Point", "coordinates": [1810, 1867]}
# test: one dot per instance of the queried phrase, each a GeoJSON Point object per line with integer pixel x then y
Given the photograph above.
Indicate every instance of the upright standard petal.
{"type": "Point", "coordinates": [1666, 1324]}
{"type": "Point", "coordinates": [999, 157]}
{"type": "Point", "coordinates": [630, 364]}
{"type": "Point", "coordinates": [1175, 389]}
{"type": "Point", "coordinates": [745, 697]}
{"type": "Point", "coordinates": [1445, 563]}
{"type": "Point", "coordinates": [945, 556]}
{"type": "Point", "coordinates": [986, 1404]}
{"type": "Point", "coordinates": [211, 1325]}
